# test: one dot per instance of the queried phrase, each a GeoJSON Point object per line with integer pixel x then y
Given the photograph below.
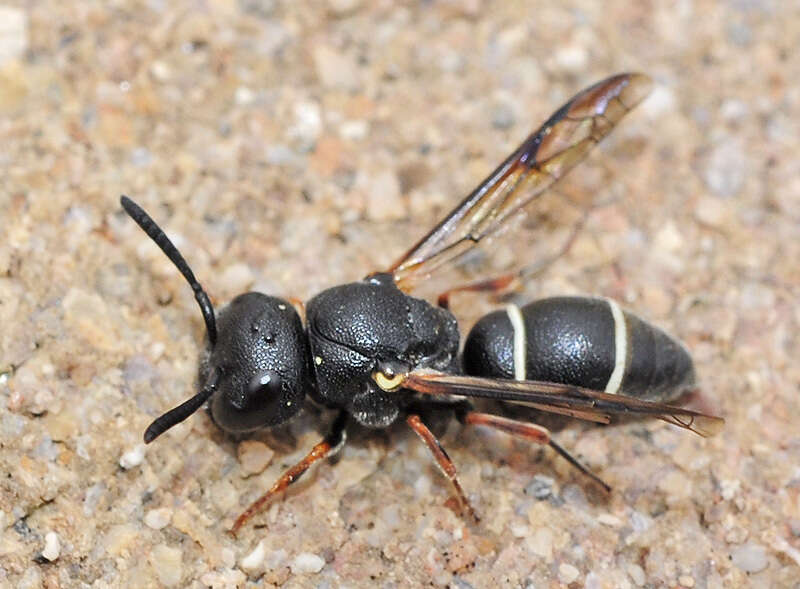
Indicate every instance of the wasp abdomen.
{"type": "Point", "coordinates": [588, 342]}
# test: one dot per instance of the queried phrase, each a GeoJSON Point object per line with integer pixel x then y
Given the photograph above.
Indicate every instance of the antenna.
{"type": "Point", "coordinates": [174, 416]}
{"type": "Point", "coordinates": [157, 234]}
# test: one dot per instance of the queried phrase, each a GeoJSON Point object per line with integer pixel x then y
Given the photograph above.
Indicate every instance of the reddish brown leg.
{"type": "Point", "coordinates": [493, 285]}
{"type": "Point", "coordinates": [532, 433]}
{"type": "Point", "coordinates": [442, 459]}
{"type": "Point", "coordinates": [332, 442]}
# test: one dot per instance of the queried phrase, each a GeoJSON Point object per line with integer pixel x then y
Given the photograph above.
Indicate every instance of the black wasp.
{"type": "Point", "coordinates": [376, 354]}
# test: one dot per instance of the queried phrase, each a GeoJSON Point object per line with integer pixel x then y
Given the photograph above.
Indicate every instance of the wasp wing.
{"type": "Point", "coordinates": [559, 398]}
{"type": "Point", "coordinates": [544, 157]}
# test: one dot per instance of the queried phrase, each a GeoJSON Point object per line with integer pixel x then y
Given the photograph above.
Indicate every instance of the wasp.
{"type": "Point", "coordinates": [375, 354]}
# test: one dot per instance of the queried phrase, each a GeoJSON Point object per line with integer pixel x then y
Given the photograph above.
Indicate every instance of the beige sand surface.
{"type": "Point", "coordinates": [289, 146]}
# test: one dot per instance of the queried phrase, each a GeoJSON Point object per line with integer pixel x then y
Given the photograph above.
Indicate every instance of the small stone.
{"type": "Point", "coordinates": [637, 574]}
{"type": "Point", "coordinates": [13, 33]}
{"type": "Point", "coordinates": [729, 488]}
{"type": "Point", "coordinates": [160, 71]}
{"type": "Point", "coordinates": [540, 487]}
{"type": "Point", "coordinates": [168, 565]}
{"type": "Point", "coordinates": [609, 520]}
{"type": "Point", "coordinates": [237, 278]}
{"type": "Point", "coordinates": [157, 519]}
{"type": "Point", "coordinates": [676, 486]}
{"type": "Point", "coordinates": [711, 211]}
{"type": "Point", "coordinates": [669, 238]}
{"type": "Point", "coordinates": [734, 110]}
{"type": "Point", "coordinates": [119, 539]}
{"type": "Point", "coordinates": [354, 130]}
{"type": "Point", "coordinates": [572, 58]}
{"type": "Point", "coordinates": [224, 579]}
{"type": "Point", "coordinates": [567, 573]}
{"type": "Point", "coordinates": [661, 101]}
{"type": "Point", "coordinates": [307, 123]}
{"type": "Point", "coordinates": [306, 562]}
{"type": "Point", "coordinates": [520, 530]}
{"type": "Point", "coordinates": [541, 543]}
{"type": "Point", "coordinates": [244, 96]}
{"type": "Point", "coordinates": [384, 200]}
{"type": "Point", "coordinates": [686, 581]}
{"type": "Point", "coordinates": [750, 558]}
{"type": "Point", "coordinates": [336, 70]}
{"type": "Point", "coordinates": [726, 168]}
{"type": "Point", "coordinates": [52, 546]}
{"type": "Point", "coordinates": [343, 7]}
{"type": "Point", "coordinates": [503, 116]}
{"type": "Point", "coordinates": [253, 562]}
{"type": "Point", "coordinates": [132, 458]}
{"type": "Point", "coordinates": [254, 456]}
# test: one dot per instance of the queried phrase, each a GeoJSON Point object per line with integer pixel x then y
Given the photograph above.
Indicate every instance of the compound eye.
{"type": "Point", "coordinates": [389, 377]}
{"type": "Point", "coordinates": [266, 383]}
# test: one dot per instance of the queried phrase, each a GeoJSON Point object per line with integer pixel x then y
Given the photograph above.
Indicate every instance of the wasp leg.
{"type": "Point", "coordinates": [442, 459]}
{"type": "Point", "coordinates": [330, 445]}
{"type": "Point", "coordinates": [492, 285]}
{"type": "Point", "coordinates": [530, 432]}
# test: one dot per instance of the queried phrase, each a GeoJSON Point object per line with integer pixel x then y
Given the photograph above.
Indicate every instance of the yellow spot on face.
{"type": "Point", "coordinates": [317, 360]}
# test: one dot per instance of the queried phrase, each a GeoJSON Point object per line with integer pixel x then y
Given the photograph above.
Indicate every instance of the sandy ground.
{"type": "Point", "coordinates": [287, 147]}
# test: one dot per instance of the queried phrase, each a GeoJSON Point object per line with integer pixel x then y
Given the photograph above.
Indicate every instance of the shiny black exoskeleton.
{"type": "Point", "coordinates": [260, 363]}
{"type": "Point", "coordinates": [583, 341]}
{"type": "Point", "coordinates": [371, 327]}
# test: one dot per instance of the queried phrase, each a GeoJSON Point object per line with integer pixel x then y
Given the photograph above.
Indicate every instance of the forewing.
{"type": "Point", "coordinates": [564, 399]}
{"type": "Point", "coordinates": [543, 158]}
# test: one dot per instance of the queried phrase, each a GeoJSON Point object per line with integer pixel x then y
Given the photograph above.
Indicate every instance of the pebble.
{"type": "Point", "coordinates": [307, 122]}
{"type": "Point", "coordinates": [572, 58]}
{"type": "Point", "coordinates": [254, 456]}
{"type": "Point", "coordinates": [168, 565]}
{"type": "Point", "coordinates": [224, 579]}
{"type": "Point", "coordinates": [637, 574]}
{"type": "Point", "coordinates": [52, 546]}
{"type": "Point", "coordinates": [343, 7]}
{"type": "Point", "coordinates": [157, 519]}
{"type": "Point", "coordinates": [306, 562]}
{"type": "Point", "coordinates": [119, 539]}
{"type": "Point", "coordinates": [237, 278]}
{"type": "Point", "coordinates": [686, 581]}
{"type": "Point", "coordinates": [540, 487]}
{"type": "Point", "coordinates": [384, 200]}
{"type": "Point", "coordinates": [710, 211]}
{"type": "Point", "coordinates": [750, 558]}
{"type": "Point", "coordinates": [132, 458]}
{"type": "Point", "coordinates": [503, 116]}
{"type": "Point", "coordinates": [335, 70]}
{"type": "Point", "coordinates": [726, 168]}
{"type": "Point", "coordinates": [609, 520]}
{"type": "Point", "coordinates": [669, 238]}
{"type": "Point", "coordinates": [567, 573]}
{"type": "Point", "coordinates": [661, 101]}
{"type": "Point", "coordinates": [13, 33]}
{"type": "Point", "coordinates": [541, 543]}
{"type": "Point", "coordinates": [729, 488]}
{"type": "Point", "coordinates": [253, 562]}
